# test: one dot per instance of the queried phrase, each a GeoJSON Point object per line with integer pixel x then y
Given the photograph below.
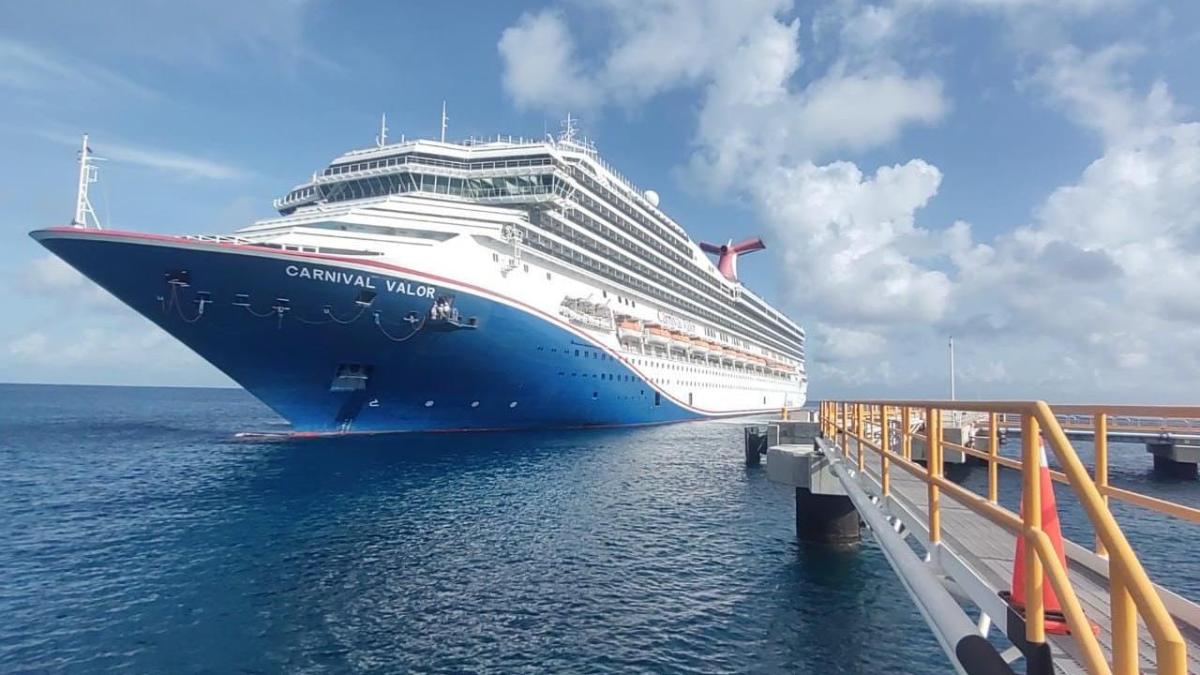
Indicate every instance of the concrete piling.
{"type": "Point", "coordinates": [824, 513]}
{"type": "Point", "coordinates": [1174, 460]}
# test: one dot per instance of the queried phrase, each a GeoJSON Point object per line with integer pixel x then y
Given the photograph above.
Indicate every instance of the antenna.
{"type": "Point", "coordinates": [381, 139]}
{"type": "Point", "coordinates": [87, 176]}
{"type": "Point", "coordinates": [568, 126]}
{"type": "Point", "coordinates": [444, 120]}
{"type": "Point", "coordinates": [952, 368]}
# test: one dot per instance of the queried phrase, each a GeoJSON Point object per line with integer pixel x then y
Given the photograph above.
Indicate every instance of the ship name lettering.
{"type": "Point", "coordinates": [360, 280]}
{"type": "Point", "coordinates": [406, 288]}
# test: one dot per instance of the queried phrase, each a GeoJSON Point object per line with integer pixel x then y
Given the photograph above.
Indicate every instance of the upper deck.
{"type": "Point", "coordinates": [552, 179]}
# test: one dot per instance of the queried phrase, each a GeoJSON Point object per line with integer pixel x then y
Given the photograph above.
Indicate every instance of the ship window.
{"type": "Point", "coordinates": [429, 404]}
{"type": "Point", "coordinates": [513, 404]}
{"type": "Point", "coordinates": [474, 404]}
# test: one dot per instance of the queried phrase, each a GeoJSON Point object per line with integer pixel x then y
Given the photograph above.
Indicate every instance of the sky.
{"type": "Point", "coordinates": [1022, 175]}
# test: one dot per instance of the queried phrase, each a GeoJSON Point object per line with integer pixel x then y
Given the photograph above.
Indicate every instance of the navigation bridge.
{"type": "Point", "coordinates": [988, 568]}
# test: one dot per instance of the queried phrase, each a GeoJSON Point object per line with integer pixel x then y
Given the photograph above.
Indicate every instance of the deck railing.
{"type": "Point", "coordinates": [880, 426]}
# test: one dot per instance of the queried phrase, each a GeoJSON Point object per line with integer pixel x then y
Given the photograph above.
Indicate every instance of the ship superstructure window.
{"type": "Point", "coordinates": [470, 188]}
{"type": "Point", "coordinates": [386, 230]}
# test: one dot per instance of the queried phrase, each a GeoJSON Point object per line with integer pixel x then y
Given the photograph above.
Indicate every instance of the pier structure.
{"type": "Point", "coordinates": [1170, 433]}
{"type": "Point", "coordinates": [954, 549]}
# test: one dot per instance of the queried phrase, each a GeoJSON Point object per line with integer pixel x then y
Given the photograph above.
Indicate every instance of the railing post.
{"type": "Point", "coordinates": [1124, 624]}
{"type": "Point", "coordinates": [846, 428]}
{"type": "Point", "coordinates": [993, 453]}
{"type": "Point", "coordinates": [885, 443]}
{"type": "Point", "coordinates": [861, 414]}
{"type": "Point", "coordinates": [1031, 517]}
{"type": "Point", "coordinates": [905, 438]}
{"type": "Point", "coordinates": [1100, 440]}
{"type": "Point", "coordinates": [933, 467]}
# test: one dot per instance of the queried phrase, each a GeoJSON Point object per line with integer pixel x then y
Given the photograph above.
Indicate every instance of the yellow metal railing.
{"type": "Point", "coordinates": [874, 425]}
{"type": "Point", "coordinates": [1103, 420]}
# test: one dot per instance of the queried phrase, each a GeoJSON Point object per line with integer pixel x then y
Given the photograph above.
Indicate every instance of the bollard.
{"type": "Point", "coordinates": [755, 445]}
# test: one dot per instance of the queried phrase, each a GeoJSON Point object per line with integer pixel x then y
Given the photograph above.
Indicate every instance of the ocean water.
{"type": "Point", "coordinates": [138, 535]}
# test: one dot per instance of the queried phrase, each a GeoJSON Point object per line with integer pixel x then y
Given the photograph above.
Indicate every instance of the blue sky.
{"type": "Point", "coordinates": [1020, 173]}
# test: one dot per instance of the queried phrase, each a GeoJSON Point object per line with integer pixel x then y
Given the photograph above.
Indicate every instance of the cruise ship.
{"type": "Point", "coordinates": [426, 285]}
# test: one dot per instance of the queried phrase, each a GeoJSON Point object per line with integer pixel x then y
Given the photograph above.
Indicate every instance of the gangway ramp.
{"type": "Point", "coordinates": [967, 541]}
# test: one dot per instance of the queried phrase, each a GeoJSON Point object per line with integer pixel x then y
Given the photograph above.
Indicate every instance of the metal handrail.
{"type": "Point", "coordinates": [1131, 592]}
{"type": "Point", "coordinates": [1099, 421]}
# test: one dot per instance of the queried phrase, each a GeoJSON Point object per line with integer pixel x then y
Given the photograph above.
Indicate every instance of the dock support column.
{"type": "Point", "coordinates": [825, 515]}
{"type": "Point", "coordinates": [831, 520]}
{"type": "Point", "coordinates": [1172, 460]}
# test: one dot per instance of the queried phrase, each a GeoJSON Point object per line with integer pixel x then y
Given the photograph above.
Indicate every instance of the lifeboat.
{"type": "Point", "coordinates": [629, 329]}
{"type": "Point", "coordinates": [680, 341]}
{"type": "Point", "coordinates": [740, 357]}
{"type": "Point", "coordinates": [726, 355]}
{"type": "Point", "coordinates": [714, 350]}
{"type": "Point", "coordinates": [697, 347]}
{"type": "Point", "coordinates": [657, 335]}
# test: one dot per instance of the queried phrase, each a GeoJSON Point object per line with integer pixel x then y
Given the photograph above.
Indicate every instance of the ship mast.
{"type": "Point", "coordinates": [444, 121]}
{"type": "Point", "coordinates": [381, 139]}
{"type": "Point", "coordinates": [87, 176]}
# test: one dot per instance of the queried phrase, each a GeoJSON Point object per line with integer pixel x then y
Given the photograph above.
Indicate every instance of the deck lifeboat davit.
{"type": "Point", "coordinates": [657, 335]}
{"type": "Point", "coordinates": [629, 330]}
{"type": "Point", "coordinates": [714, 351]}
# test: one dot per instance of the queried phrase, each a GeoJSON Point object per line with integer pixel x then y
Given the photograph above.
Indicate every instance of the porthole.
{"type": "Point", "coordinates": [513, 404]}
{"type": "Point", "coordinates": [429, 404]}
{"type": "Point", "coordinates": [474, 404]}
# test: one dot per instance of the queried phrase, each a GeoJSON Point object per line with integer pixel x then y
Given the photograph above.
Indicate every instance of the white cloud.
{"type": "Point", "coordinates": [1092, 298]}
{"type": "Point", "coordinates": [845, 239]}
{"type": "Point", "coordinates": [48, 276]}
{"type": "Point", "coordinates": [847, 344]}
{"type": "Point", "coordinates": [539, 62]}
{"type": "Point", "coordinates": [177, 164]}
{"type": "Point", "coordinates": [28, 68]}
{"type": "Point", "coordinates": [187, 166]}
{"type": "Point", "coordinates": [126, 344]}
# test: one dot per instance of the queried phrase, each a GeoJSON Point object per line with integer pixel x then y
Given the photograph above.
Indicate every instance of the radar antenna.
{"type": "Point", "coordinates": [444, 120]}
{"type": "Point", "coordinates": [568, 132]}
{"type": "Point", "coordinates": [87, 175]}
{"type": "Point", "coordinates": [381, 139]}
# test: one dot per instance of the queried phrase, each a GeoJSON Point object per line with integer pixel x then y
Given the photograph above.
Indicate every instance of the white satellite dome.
{"type": "Point", "coordinates": [652, 197]}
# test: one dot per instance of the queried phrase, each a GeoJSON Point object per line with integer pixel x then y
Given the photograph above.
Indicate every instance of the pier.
{"type": "Point", "coordinates": [1171, 434]}
{"type": "Point", "coordinates": [954, 550]}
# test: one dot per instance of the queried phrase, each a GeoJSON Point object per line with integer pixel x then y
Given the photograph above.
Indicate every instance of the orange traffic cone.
{"type": "Point", "coordinates": [1056, 622]}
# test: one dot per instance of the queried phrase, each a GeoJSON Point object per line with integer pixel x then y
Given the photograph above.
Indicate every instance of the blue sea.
{"type": "Point", "coordinates": [137, 534]}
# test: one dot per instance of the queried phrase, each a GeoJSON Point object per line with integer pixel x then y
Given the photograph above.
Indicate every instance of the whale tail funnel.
{"type": "Point", "coordinates": [728, 254]}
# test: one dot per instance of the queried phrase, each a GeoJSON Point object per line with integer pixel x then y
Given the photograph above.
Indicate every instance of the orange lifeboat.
{"type": "Point", "coordinates": [629, 329]}
{"type": "Point", "coordinates": [657, 335]}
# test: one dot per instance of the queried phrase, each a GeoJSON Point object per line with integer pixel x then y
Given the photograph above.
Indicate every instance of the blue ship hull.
{"type": "Point", "coordinates": [287, 326]}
